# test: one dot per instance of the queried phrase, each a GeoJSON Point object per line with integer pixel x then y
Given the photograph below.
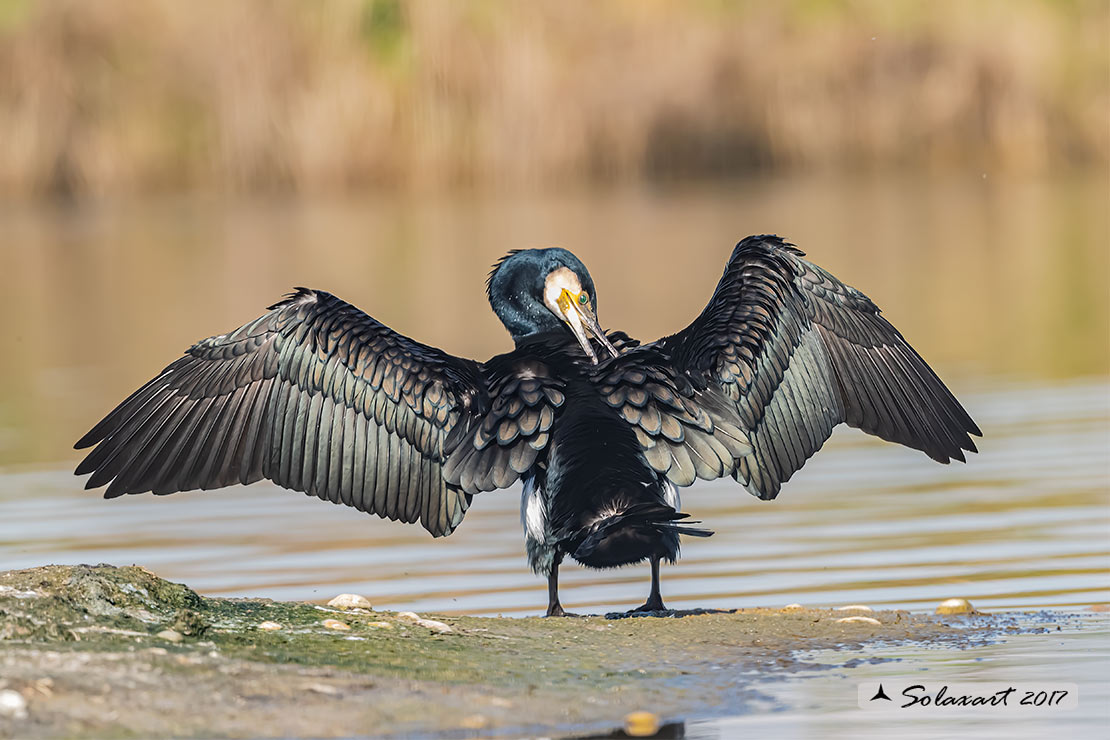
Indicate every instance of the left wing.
{"type": "Point", "coordinates": [314, 395]}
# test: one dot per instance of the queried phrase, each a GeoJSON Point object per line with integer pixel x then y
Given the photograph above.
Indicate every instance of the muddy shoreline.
{"type": "Point", "coordinates": [110, 651]}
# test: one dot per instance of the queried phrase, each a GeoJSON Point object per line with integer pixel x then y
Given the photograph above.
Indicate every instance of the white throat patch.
{"type": "Point", "coordinates": [555, 283]}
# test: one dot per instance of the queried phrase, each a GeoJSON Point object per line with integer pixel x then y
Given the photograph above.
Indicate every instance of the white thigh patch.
{"type": "Point", "coordinates": [533, 510]}
{"type": "Point", "coordinates": [670, 495]}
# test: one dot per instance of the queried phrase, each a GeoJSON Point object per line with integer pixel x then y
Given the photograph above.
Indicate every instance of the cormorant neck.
{"type": "Point", "coordinates": [526, 319]}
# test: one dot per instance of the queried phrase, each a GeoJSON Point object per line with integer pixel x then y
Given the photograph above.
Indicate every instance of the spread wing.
{"type": "Point", "coordinates": [798, 352]}
{"type": "Point", "coordinates": [314, 395]}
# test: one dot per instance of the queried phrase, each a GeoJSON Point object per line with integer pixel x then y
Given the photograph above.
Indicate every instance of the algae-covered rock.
{"type": "Point", "coordinates": [58, 602]}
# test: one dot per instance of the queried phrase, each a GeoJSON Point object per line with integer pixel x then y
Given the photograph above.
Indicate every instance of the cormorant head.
{"type": "Point", "coordinates": [534, 291]}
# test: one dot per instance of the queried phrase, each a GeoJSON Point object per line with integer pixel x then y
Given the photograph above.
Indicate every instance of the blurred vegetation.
{"type": "Point", "coordinates": [117, 96]}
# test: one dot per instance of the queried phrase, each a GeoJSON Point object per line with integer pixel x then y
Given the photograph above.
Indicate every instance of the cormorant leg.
{"type": "Point", "coordinates": [554, 608]}
{"type": "Point", "coordinates": [655, 599]}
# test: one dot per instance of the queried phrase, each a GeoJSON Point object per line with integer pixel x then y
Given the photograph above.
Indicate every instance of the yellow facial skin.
{"type": "Point", "coordinates": [563, 294]}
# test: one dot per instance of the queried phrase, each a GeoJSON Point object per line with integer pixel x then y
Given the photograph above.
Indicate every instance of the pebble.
{"type": "Point", "coordinates": [426, 623]}
{"type": "Point", "coordinates": [171, 635]}
{"type": "Point", "coordinates": [380, 625]}
{"type": "Point", "coordinates": [859, 620]}
{"type": "Point", "coordinates": [641, 724]}
{"type": "Point", "coordinates": [12, 704]}
{"type": "Point", "coordinates": [351, 601]}
{"type": "Point", "coordinates": [955, 606]}
{"type": "Point", "coordinates": [335, 624]}
{"type": "Point", "coordinates": [323, 688]}
{"type": "Point", "coordinates": [269, 626]}
{"type": "Point", "coordinates": [854, 608]}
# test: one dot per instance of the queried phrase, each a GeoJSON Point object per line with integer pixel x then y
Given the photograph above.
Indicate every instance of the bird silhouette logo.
{"type": "Point", "coordinates": [880, 694]}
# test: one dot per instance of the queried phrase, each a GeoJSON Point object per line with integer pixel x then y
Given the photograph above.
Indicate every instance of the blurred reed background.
{"type": "Point", "coordinates": [109, 97]}
{"type": "Point", "coordinates": [169, 168]}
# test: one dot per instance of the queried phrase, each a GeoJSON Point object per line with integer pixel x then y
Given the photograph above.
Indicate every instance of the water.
{"type": "Point", "coordinates": [1024, 525]}
{"type": "Point", "coordinates": [1001, 286]}
{"type": "Point", "coordinates": [822, 704]}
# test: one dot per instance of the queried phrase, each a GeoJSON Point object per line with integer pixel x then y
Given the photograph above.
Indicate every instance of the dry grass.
{"type": "Point", "coordinates": [119, 96]}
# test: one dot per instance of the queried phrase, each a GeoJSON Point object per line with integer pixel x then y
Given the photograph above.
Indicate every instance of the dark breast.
{"type": "Point", "coordinates": [595, 467]}
{"type": "Point", "coordinates": [548, 419]}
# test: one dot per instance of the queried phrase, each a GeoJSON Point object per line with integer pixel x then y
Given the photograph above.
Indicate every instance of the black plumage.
{"type": "Point", "coordinates": [318, 397]}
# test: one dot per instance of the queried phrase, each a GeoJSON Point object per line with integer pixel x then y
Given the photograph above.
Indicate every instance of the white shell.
{"type": "Point", "coordinates": [430, 624]}
{"type": "Point", "coordinates": [859, 620]}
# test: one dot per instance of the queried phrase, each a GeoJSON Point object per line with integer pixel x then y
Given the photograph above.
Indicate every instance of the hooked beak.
{"type": "Point", "coordinates": [583, 323]}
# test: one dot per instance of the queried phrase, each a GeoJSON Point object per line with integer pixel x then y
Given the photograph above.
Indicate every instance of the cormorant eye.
{"type": "Point", "coordinates": [583, 298]}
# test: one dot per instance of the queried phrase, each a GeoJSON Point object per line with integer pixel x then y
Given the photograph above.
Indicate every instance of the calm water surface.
{"type": "Point", "coordinates": [1002, 286]}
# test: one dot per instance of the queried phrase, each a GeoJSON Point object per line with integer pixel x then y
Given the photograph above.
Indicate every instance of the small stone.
{"type": "Point", "coordinates": [158, 651]}
{"type": "Point", "coordinates": [641, 724]}
{"type": "Point", "coordinates": [335, 624]}
{"type": "Point", "coordinates": [435, 626]}
{"type": "Point", "coordinates": [351, 601]}
{"type": "Point", "coordinates": [419, 621]}
{"type": "Point", "coordinates": [854, 608]}
{"type": "Point", "coordinates": [323, 688]}
{"type": "Point", "coordinates": [380, 625]}
{"type": "Point", "coordinates": [955, 606]}
{"type": "Point", "coordinates": [269, 626]}
{"type": "Point", "coordinates": [792, 607]}
{"type": "Point", "coordinates": [188, 622]}
{"type": "Point", "coordinates": [171, 635]}
{"type": "Point", "coordinates": [474, 721]}
{"type": "Point", "coordinates": [12, 704]}
{"type": "Point", "coordinates": [859, 620]}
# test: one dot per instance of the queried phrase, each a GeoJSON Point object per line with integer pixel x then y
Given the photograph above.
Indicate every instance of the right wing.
{"type": "Point", "coordinates": [314, 395]}
{"type": "Point", "coordinates": [799, 352]}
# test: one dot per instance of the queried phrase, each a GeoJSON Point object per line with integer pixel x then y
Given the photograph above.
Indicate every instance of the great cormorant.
{"type": "Point", "coordinates": [319, 397]}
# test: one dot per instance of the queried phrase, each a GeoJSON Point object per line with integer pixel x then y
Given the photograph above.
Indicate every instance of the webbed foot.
{"type": "Point", "coordinates": [556, 610]}
{"type": "Point", "coordinates": [654, 604]}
